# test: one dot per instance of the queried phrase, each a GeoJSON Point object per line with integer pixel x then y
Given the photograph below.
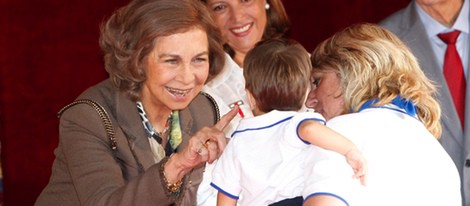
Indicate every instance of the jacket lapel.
{"type": "Point", "coordinates": [412, 34]}
{"type": "Point", "coordinates": [131, 124]}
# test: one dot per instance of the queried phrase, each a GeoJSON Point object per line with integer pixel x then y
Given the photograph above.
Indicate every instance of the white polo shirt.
{"type": "Point", "coordinates": [407, 165]}
{"type": "Point", "coordinates": [264, 161]}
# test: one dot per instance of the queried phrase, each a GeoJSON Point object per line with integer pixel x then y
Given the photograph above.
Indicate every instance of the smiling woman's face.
{"type": "Point", "coordinates": [242, 22]}
{"type": "Point", "coordinates": [326, 95]}
{"type": "Point", "coordinates": [175, 73]}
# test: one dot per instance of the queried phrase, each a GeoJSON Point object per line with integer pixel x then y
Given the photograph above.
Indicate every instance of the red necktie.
{"type": "Point", "coordinates": [453, 72]}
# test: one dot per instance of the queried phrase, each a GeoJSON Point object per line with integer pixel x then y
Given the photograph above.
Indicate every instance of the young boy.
{"type": "Point", "coordinates": [264, 161]}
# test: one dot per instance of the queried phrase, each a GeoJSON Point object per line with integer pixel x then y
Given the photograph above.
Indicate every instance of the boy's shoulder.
{"type": "Point", "coordinates": [309, 115]}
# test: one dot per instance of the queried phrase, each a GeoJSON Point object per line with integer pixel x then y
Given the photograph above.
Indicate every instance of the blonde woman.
{"type": "Point", "coordinates": [370, 88]}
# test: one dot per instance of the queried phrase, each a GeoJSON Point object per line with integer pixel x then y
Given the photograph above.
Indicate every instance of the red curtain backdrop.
{"type": "Point", "coordinates": [49, 54]}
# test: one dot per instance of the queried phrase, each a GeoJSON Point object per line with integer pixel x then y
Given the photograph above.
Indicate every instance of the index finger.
{"type": "Point", "coordinates": [225, 120]}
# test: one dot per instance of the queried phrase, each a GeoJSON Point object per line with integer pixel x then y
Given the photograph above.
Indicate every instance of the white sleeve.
{"type": "Point", "coordinates": [293, 127]}
{"type": "Point", "coordinates": [226, 173]}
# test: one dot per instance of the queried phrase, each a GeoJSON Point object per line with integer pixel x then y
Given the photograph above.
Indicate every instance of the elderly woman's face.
{"type": "Point", "coordinates": [177, 68]}
{"type": "Point", "coordinates": [241, 22]}
{"type": "Point", "coordinates": [326, 94]}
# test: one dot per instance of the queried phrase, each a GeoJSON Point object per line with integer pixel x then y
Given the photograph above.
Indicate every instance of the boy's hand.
{"type": "Point", "coordinates": [359, 164]}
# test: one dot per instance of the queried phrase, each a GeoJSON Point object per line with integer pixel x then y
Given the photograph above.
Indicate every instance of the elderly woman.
{"type": "Point", "coordinates": [148, 143]}
{"type": "Point", "coordinates": [370, 88]}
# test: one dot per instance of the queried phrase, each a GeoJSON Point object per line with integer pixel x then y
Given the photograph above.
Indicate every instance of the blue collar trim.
{"type": "Point", "coordinates": [404, 104]}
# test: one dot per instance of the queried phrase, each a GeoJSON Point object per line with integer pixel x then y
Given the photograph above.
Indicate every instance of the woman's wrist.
{"type": "Point", "coordinates": [172, 178]}
{"type": "Point", "coordinates": [174, 170]}
{"type": "Point", "coordinates": [175, 187]}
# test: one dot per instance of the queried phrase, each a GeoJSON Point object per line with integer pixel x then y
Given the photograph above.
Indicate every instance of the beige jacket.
{"type": "Point", "coordinates": [86, 171]}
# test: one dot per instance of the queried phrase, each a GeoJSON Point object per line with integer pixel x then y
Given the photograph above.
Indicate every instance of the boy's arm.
{"type": "Point", "coordinates": [224, 200]}
{"type": "Point", "coordinates": [320, 135]}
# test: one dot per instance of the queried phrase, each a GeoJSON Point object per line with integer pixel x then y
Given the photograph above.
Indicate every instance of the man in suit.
{"type": "Point", "coordinates": [419, 25]}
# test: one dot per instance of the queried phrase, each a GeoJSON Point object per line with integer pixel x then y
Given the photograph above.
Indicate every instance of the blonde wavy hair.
{"type": "Point", "coordinates": [373, 63]}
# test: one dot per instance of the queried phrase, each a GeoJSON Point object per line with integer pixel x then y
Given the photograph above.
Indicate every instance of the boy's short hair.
{"type": "Point", "coordinates": [277, 73]}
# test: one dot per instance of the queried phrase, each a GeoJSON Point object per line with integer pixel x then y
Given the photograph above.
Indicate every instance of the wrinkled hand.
{"type": "Point", "coordinates": [204, 146]}
{"type": "Point", "coordinates": [209, 142]}
{"type": "Point", "coordinates": [359, 164]}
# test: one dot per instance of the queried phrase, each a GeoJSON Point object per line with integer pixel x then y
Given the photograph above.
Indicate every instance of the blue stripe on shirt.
{"type": "Point", "coordinates": [328, 194]}
{"type": "Point", "coordinates": [223, 191]}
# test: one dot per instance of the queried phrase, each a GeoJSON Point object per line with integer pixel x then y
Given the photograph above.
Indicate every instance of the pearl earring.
{"type": "Point", "coordinates": [267, 6]}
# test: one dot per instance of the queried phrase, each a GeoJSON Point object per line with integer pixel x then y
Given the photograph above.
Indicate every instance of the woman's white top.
{"type": "Point", "coordinates": [264, 161]}
{"type": "Point", "coordinates": [228, 88]}
{"type": "Point", "coordinates": [407, 165]}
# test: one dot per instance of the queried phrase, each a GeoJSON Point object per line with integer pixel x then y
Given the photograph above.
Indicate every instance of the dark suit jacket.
{"type": "Point", "coordinates": [407, 25]}
{"type": "Point", "coordinates": [87, 172]}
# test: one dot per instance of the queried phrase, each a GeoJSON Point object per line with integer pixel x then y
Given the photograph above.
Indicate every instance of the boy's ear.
{"type": "Point", "coordinates": [309, 88]}
{"type": "Point", "coordinates": [251, 100]}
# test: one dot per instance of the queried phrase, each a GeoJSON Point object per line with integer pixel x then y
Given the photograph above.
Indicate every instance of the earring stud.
{"type": "Point", "coordinates": [267, 6]}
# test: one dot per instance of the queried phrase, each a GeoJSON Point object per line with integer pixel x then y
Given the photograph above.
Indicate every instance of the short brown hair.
{"type": "Point", "coordinates": [277, 73]}
{"type": "Point", "coordinates": [129, 35]}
